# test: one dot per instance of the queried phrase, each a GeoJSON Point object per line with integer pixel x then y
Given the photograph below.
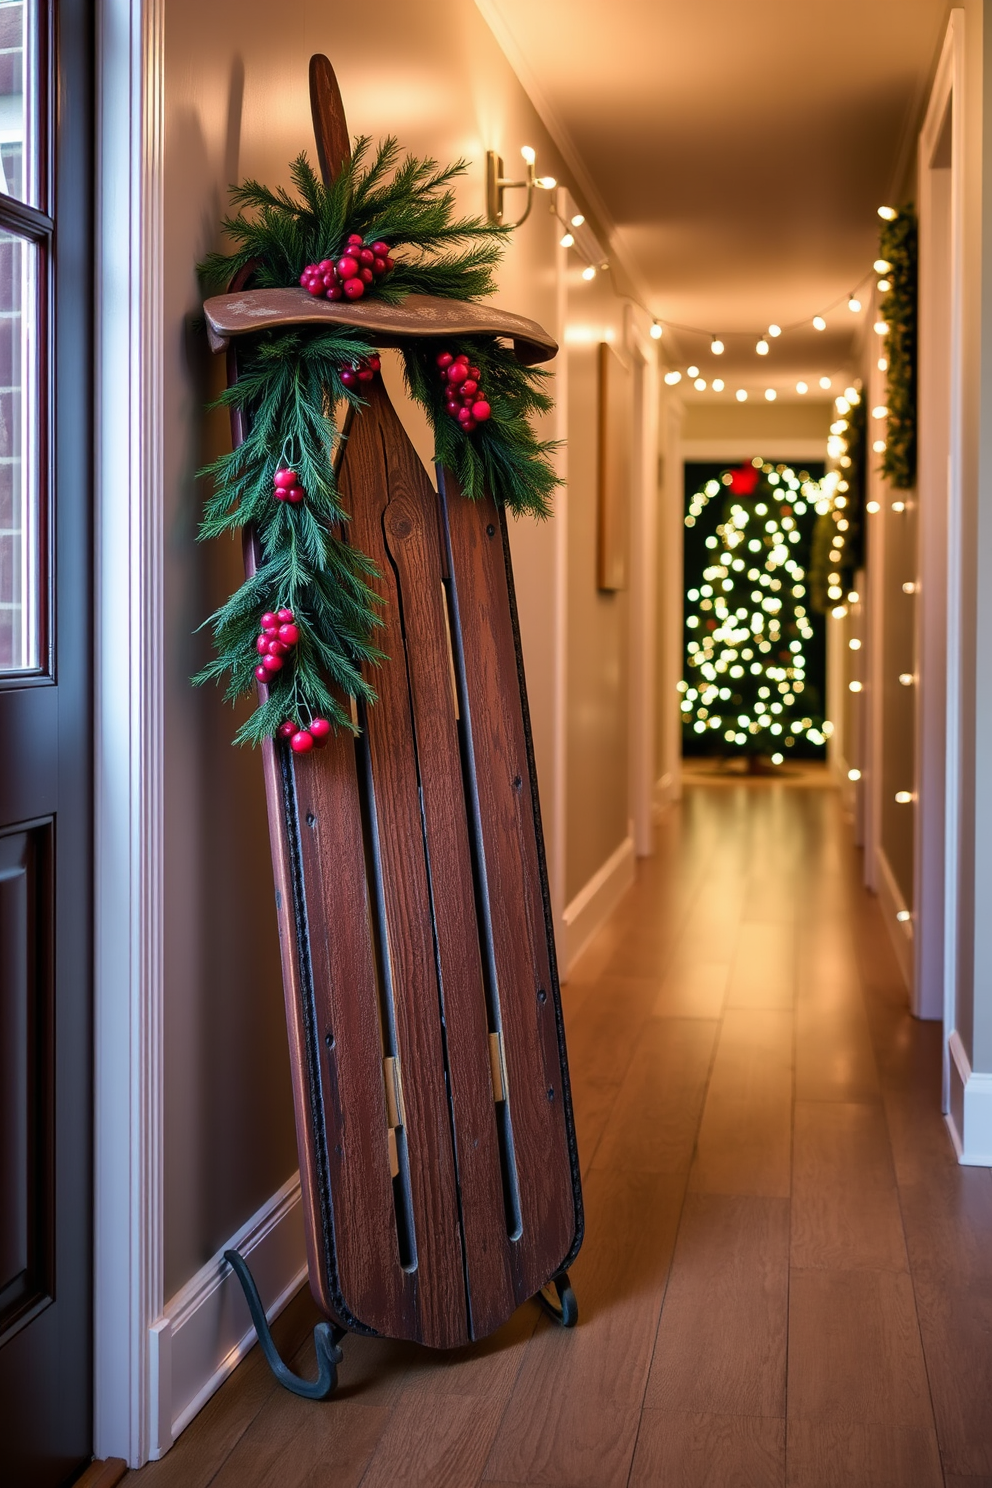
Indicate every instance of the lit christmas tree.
{"type": "Point", "coordinates": [750, 632]}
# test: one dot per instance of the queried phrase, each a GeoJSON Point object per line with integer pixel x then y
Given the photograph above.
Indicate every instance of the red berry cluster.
{"type": "Point", "coordinates": [302, 740]}
{"type": "Point", "coordinates": [279, 635]}
{"type": "Point", "coordinates": [360, 372]}
{"type": "Point", "coordinates": [464, 397]}
{"type": "Point", "coordinates": [287, 487]}
{"type": "Point", "coordinates": [359, 266]}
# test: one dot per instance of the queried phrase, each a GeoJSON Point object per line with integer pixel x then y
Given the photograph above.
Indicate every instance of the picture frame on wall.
{"type": "Point", "coordinates": [613, 474]}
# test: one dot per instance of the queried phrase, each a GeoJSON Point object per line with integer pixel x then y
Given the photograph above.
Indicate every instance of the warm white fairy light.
{"type": "Point", "coordinates": [656, 331]}
{"type": "Point", "coordinates": [716, 346]}
{"type": "Point", "coordinates": [882, 266]}
{"type": "Point", "coordinates": [854, 774]}
{"type": "Point", "coordinates": [888, 214]}
{"type": "Point", "coordinates": [717, 384]}
{"type": "Point", "coordinates": [741, 395]}
{"type": "Point", "coordinates": [762, 347]}
{"type": "Point", "coordinates": [826, 382]}
{"type": "Point", "coordinates": [819, 324]}
{"type": "Point", "coordinates": [774, 330]}
{"type": "Point", "coordinates": [802, 387]}
{"type": "Point", "coordinates": [567, 241]}
{"type": "Point", "coordinates": [904, 797]}
{"type": "Point", "coordinates": [692, 371]}
{"type": "Point", "coordinates": [673, 377]}
{"type": "Point", "coordinates": [902, 915]}
{"type": "Point", "coordinates": [700, 384]}
{"type": "Point", "coordinates": [854, 304]}
{"type": "Point", "coordinates": [577, 220]}
{"type": "Point", "coordinates": [589, 272]}
{"type": "Point", "coordinates": [771, 394]}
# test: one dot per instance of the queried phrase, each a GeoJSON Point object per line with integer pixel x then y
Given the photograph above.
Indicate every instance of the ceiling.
{"type": "Point", "coordinates": [738, 153]}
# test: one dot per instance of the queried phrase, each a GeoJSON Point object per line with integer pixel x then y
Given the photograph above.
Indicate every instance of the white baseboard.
{"type": "Point", "coordinates": [970, 1114]}
{"type": "Point", "coordinates": [205, 1330]}
{"type": "Point", "coordinates": [891, 904]}
{"type": "Point", "coordinates": [666, 790]}
{"type": "Point", "coordinates": [594, 903]}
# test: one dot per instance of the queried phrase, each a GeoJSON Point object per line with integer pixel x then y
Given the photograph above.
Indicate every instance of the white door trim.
{"type": "Point", "coordinates": [939, 640]}
{"type": "Point", "coordinates": [643, 625]}
{"type": "Point", "coordinates": [128, 1276]}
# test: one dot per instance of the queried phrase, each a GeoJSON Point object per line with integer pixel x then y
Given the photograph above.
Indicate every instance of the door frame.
{"type": "Point", "coordinates": [940, 561]}
{"type": "Point", "coordinates": [128, 744]}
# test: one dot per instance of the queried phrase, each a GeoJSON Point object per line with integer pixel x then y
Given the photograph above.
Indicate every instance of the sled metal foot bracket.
{"type": "Point", "coordinates": [566, 1310]}
{"type": "Point", "coordinates": [326, 1339]}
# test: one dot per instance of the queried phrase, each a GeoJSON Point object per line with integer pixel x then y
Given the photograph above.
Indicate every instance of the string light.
{"type": "Point", "coordinates": [882, 266]}
{"type": "Point", "coordinates": [771, 394]}
{"type": "Point", "coordinates": [854, 774]}
{"type": "Point", "coordinates": [826, 382]}
{"type": "Point", "coordinates": [904, 797]}
{"type": "Point", "coordinates": [762, 347]}
{"type": "Point", "coordinates": [902, 915]}
{"type": "Point", "coordinates": [774, 330]}
{"type": "Point", "coordinates": [656, 331]}
{"type": "Point", "coordinates": [819, 324]}
{"type": "Point", "coordinates": [716, 346]}
{"type": "Point", "coordinates": [700, 384]}
{"type": "Point", "coordinates": [692, 371]}
{"type": "Point", "coordinates": [578, 220]}
{"type": "Point", "coordinates": [672, 378]}
{"type": "Point", "coordinates": [741, 395]}
{"type": "Point", "coordinates": [888, 214]}
{"type": "Point", "coordinates": [854, 304]}
{"type": "Point", "coordinates": [567, 241]}
{"type": "Point", "coordinates": [802, 387]}
{"type": "Point", "coordinates": [589, 272]}
{"type": "Point", "coordinates": [717, 384]}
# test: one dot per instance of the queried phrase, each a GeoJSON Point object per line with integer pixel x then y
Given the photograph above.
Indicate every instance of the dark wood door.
{"type": "Point", "coordinates": [45, 742]}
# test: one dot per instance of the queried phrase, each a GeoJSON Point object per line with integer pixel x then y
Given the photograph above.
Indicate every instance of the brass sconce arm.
{"type": "Point", "coordinates": [497, 184]}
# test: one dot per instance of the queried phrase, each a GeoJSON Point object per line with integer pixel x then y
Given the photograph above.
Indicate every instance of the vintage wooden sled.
{"type": "Point", "coordinates": [437, 1148]}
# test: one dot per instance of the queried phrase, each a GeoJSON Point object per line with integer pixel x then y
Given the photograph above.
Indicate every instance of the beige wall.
{"type": "Point", "coordinates": [805, 419]}
{"type": "Point", "coordinates": [236, 105]}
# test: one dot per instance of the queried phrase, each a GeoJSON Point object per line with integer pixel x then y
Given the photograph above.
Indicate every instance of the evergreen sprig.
{"type": "Point", "coordinates": [898, 245]}
{"type": "Point", "coordinates": [289, 384]}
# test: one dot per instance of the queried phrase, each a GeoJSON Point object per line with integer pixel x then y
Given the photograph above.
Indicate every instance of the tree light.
{"type": "Point", "coordinates": [656, 331]}
{"type": "Point", "coordinates": [762, 347]}
{"type": "Point", "coordinates": [741, 395]}
{"type": "Point", "coordinates": [888, 214]}
{"type": "Point", "coordinates": [884, 286]}
{"type": "Point", "coordinates": [802, 387]}
{"type": "Point", "coordinates": [881, 328]}
{"type": "Point", "coordinates": [716, 346]}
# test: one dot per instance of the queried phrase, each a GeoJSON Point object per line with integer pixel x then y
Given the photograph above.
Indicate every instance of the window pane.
{"type": "Point", "coordinates": [20, 505]}
{"type": "Point", "coordinates": [19, 100]}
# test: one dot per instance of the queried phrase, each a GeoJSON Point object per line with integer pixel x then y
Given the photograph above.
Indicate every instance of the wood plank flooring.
{"type": "Point", "coordinates": [786, 1280]}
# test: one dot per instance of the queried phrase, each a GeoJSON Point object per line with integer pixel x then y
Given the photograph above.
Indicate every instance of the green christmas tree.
{"type": "Point", "coordinates": [749, 625]}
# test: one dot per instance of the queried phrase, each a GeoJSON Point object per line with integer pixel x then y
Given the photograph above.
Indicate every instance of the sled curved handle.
{"type": "Point", "coordinates": [330, 128]}
{"type": "Point", "coordinates": [325, 1342]}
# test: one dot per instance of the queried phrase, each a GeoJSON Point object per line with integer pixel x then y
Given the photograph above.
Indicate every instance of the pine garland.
{"type": "Point", "coordinates": [898, 246]}
{"type": "Point", "coordinates": [288, 387]}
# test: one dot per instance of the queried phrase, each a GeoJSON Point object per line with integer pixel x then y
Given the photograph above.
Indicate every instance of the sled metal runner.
{"type": "Point", "coordinates": [437, 1149]}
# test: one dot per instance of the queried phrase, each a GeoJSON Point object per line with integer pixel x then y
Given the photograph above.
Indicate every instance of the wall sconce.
{"type": "Point", "coordinates": [497, 183]}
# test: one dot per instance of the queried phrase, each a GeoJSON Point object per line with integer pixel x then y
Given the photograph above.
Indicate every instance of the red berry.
{"type": "Point", "coordinates": [347, 267]}
{"type": "Point", "coordinates": [330, 281]}
{"type": "Point", "coordinates": [469, 386]}
{"type": "Point", "coordinates": [325, 266]}
{"type": "Point", "coordinates": [366, 276]}
{"type": "Point", "coordinates": [378, 267]}
{"type": "Point", "coordinates": [464, 413]}
{"type": "Point", "coordinates": [390, 263]}
{"type": "Point", "coordinates": [288, 729]}
{"type": "Point", "coordinates": [301, 743]}
{"type": "Point", "coordinates": [462, 358]}
{"type": "Point", "coordinates": [452, 408]}
{"type": "Point", "coordinates": [278, 494]}
{"type": "Point", "coordinates": [467, 424]}
{"type": "Point", "coordinates": [285, 477]}
{"type": "Point", "coordinates": [289, 634]}
{"type": "Point", "coordinates": [270, 622]}
{"type": "Point", "coordinates": [285, 617]}
{"type": "Point", "coordinates": [366, 257]}
{"type": "Point", "coordinates": [380, 249]}
{"type": "Point", "coordinates": [295, 494]}
{"type": "Point", "coordinates": [474, 372]}
{"type": "Point", "coordinates": [336, 293]}
{"type": "Point", "coordinates": [275, 647]}
{"type": "Point", "coordinates": [366, 374]}
{"type": "Point", "coordinates": [457, 372]}
{"type": "Point", "coordinates": [320, 728]}
{"type": "Point", "coordinates": [349, 376]}
{"type": "Point", "coordinates": [305, 278]}
{"type": "Point", "coordinates": [272, 663]}
{"type": "Point", "coordinates": [261, 673]}
{"type": "Point", "coordinates": [481, 411]}
{"type": "Point", "coordinates": [316, 286]}
{"type": "Point", "coordinates": [375, 363]}
{"type": "Point", "coordinates": [262, 645]}
{"type": "Point", "coordinates": [353, 289]}
{"type": "Point", "coordinates": [354, 240]}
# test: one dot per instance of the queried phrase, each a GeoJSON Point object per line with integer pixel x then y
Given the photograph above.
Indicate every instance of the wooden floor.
{"type": "Point", "coordinates": [786, 1277]}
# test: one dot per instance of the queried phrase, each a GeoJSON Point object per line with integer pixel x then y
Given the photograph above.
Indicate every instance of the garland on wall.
{"type": "Point", "coordinates": [898, 252]}
{"type": "Point", "coordinates": [304, 624]}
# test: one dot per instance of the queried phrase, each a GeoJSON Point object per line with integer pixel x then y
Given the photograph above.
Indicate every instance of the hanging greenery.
{"type": "Point", "coordinates": [304, 624]}
{"type": "Point", "coordinates": [898, 247]}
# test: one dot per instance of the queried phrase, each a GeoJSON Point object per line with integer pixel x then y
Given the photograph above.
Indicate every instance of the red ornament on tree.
{"type": "Point", "coordinates": [744, 480]}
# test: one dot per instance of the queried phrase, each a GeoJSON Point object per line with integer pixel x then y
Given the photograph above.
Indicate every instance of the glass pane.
{"type": "Point", "coordinates": [20, 505]}
{"type": "Point", "coordinates": [19, 100]}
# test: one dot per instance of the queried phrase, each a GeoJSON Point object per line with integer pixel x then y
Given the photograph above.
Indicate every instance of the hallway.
{"type": "Point", "coordinates": [786, 1277]}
